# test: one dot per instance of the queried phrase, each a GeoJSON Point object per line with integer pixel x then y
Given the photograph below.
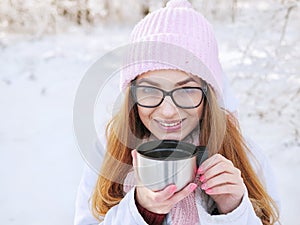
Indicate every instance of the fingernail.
{"type": "Point", "coordinates": [173, 189]}
{"type": "Point", "coordinates": [200, 170]}
{"type": "Point", "coordinates": [202, 178]}
{"type": "Point", "coordinates": [208, 191]}
{"type": "Point", "coordinates": [193, 187]}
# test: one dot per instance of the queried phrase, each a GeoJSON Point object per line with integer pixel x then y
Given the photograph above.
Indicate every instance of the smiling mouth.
{"type": "Point", "coordinates": [170, 124]}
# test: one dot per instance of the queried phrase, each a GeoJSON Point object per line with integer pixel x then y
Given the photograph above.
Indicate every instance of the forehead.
{"type": "Point", "coordinates": [169, 76]}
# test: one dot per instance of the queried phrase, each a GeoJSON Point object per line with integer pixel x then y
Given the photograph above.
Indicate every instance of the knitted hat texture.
{"type": "Point", "coordinates": [174, 37]}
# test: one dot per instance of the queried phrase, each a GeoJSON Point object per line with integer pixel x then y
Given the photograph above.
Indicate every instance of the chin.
{"type": "Point", "coordinates": [171, 136]}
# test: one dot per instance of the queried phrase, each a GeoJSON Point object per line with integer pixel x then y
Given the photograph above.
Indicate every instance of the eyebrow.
{"type": "Point", "coordinates": [142, 80]}
{"type": "Point", "coordinates": [190, 79]}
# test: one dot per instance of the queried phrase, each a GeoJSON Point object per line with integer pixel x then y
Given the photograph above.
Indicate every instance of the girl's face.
{"type": "Point", "coordinates": [168, 121]}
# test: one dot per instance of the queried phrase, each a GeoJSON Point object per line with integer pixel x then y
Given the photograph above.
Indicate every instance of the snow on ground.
{"type": "Point", "coordinates": [40, 166]}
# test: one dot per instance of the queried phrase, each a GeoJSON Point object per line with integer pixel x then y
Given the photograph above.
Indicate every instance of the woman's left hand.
{"type": "Point", "coordinates": [223, 182]}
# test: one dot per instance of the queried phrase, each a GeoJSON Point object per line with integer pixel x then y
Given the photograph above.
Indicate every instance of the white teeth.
{"type": "Point", "coordinates": [170, 124]}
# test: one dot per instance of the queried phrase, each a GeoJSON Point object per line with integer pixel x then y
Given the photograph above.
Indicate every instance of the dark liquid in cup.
{"type": "Point", "coordinates": [167, 154]}
{"type": "Point", "coordinates": [167, 150]}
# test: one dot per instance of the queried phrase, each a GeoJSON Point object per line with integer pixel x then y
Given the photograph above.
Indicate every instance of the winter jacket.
{"type": "Point", "coordinates": [126, 212]}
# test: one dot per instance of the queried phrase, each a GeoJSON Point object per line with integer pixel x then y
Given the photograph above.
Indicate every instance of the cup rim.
{"type": "Point", "coordinates": [167, 145]}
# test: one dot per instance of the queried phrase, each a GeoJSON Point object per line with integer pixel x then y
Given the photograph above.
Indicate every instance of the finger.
{"type": "Point", "coordinates": [183, 193]}
{"type": "Point", "coordinates": [221, 167]}
{"type": "Point", "coordinates": [164, 194]}
{"type": "Point", "coordinates": [210, 162]}
{"type": "Point", "coordinates": [134, 156]}
{"type": "Point", "coordinates": [134, 164]}
{"type": "Point", "coordinates": [221, 179]}
{"type": "Point", "coordinates": [226, 189]}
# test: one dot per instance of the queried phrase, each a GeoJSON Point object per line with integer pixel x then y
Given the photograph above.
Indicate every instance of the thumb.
{"type": "Point", "coordinates": [134, 164]}
{"type": "Point", "coordinates": [134, 156]}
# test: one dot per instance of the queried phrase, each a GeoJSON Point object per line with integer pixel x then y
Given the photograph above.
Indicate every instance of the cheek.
{"type": "Point", "coordinates": [196, 113]}
{"type": "Point", "coordinates": [199, 111]}
{"type": "Point", "coordinates": [195, 116]}
{"type": "Point", "coordinates": [145, 115]}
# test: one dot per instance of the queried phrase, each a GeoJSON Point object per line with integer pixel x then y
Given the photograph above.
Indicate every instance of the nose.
{"type": "Point", "coordinates": [167, 108]}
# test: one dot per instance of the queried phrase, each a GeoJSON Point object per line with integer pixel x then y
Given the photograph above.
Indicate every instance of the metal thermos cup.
{"type": "Point", "coordinates": [164, 162]}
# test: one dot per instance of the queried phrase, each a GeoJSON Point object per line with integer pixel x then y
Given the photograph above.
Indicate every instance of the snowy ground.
{"type": "Point", "coordinates": [40, 166]}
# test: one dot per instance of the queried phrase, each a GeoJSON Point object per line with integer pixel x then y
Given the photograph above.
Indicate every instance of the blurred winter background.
{"type": "Point", "coordinates": [47, 45]}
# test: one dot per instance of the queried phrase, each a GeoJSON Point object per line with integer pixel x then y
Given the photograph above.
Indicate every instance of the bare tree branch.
{"type": "Point", "coordinates": [286, 19]}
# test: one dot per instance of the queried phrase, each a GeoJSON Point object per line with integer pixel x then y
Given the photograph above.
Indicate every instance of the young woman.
{"type": "Point", "coordinates": [187, 101]}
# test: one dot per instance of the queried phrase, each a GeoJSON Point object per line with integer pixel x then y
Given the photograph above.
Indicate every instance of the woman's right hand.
{"type": "Point", "coordinates": [160, 202]}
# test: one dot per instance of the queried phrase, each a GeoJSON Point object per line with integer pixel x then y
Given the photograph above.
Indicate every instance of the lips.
{"type": "Point", "coordinates": [170, 126]}
{"type": "Point", "coordinates": [167, 124]}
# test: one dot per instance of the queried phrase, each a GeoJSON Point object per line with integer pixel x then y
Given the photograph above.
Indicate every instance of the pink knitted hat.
{"type": "Point", "coordinates": [175, 37]}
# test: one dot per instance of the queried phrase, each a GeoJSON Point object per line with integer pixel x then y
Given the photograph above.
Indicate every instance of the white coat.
{"type": "Point", "coordinates": [126, 213]}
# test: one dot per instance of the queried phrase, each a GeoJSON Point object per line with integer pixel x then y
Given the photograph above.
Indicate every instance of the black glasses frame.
{"type": "Point", "coordinates": [133, 88]}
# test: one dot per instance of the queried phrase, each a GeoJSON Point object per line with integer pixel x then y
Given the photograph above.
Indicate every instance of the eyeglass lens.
{"type": "Point", "coordinates": [182, 97]}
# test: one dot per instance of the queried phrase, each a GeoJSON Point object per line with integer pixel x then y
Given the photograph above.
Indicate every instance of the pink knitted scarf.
{"type": "Point", "coordinates": [184, 212]}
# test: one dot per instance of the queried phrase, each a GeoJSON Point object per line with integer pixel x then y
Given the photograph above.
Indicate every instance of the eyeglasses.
{"type": "Point", "coordinates": [184, 97]}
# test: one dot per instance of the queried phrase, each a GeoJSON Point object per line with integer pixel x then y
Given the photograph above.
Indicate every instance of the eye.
{"type": "Point", "coordinates": [188, 90]}
{"type": "Point", "coordinates": [147, 90]}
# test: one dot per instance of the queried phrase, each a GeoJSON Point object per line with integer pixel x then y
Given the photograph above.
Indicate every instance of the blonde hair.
{"type": "Point", "coordinates": [221, 134]}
